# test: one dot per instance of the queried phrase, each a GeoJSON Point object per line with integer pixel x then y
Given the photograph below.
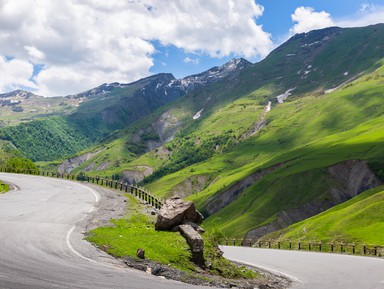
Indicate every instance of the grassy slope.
{"type": "Point", "coordinates": [168, 248]}
{"type": "Point", "coordinates": [313, 128]}
{"type": "Point", "coordinates": [259, 83]}
{"type": "Point", "coordinates": [37, 107]}
{"type": "Point", "coordinates": [358, 220]}
{"type": "Point", "coordinates": [318, 129]}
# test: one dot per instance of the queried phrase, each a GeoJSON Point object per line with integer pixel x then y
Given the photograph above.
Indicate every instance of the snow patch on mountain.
{"type": "Point", "coordinates": [198, 114]}
{"type": "Point", "coordinates": [282, 97]}
{"type": "Point", "coordinates": [268, 106]}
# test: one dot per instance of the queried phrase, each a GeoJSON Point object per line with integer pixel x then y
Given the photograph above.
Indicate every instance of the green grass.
{"type": "Point", "coordinates": [310, 131]}
{"type": "Point", "coordinates": [137, 231]}
{"type": "Point", "coordinates": [169, 248]}
{"type": "Point", "coordinates": [359, 220]}
{"type": "Point", "coordinates": [313, 131]}
{"type": "Point", "coordinates": [3, 188]}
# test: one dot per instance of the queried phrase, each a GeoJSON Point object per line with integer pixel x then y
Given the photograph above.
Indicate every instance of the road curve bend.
{"type": "Point", "coordinates": [40, 247]}
{"type": "Point", "coordinates": [310, 270]}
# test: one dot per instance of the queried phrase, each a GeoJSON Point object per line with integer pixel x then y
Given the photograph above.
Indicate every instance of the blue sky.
{"type": "Point", "coordinates": [68, 46]}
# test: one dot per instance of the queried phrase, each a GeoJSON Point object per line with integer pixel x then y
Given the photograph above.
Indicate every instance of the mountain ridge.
{"type": "Point", "coordinates": [274, 113]}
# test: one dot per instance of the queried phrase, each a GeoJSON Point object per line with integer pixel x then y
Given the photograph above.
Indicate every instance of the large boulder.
{"type": "Point", "coordinates": [175, 212]}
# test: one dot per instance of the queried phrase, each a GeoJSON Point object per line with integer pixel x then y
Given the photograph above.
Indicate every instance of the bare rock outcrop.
{"type": "Point", "coordinates": [70, 164]}
{"type": "Point", "coordinates": [137, 174]}
{"type": "Point", "coordinates": [190, 185]}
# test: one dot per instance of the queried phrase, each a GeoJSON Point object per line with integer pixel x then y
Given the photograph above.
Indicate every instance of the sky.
{"type": "Point", "coordinates": [65, 47]}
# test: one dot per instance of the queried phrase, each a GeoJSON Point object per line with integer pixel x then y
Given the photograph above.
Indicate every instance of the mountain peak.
{"type": "Point", "coordinates": [211, 75]}
{"type": "Point", "coordinates": [19, 93]}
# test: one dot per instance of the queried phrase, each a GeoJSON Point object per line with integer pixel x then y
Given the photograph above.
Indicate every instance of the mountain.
{"type": "Point", "coordinates": [93, 115]}
{"type": "Point", "coordinates": [168, 85]}
{"type": "Point", "coordinates": [23, 106]}
{"type": "Point", "coordinates": [260, 147]}
{"type": "Point", "coordinates": [275, 143]}
{"type": "Point", "coordinates": [17, 94]}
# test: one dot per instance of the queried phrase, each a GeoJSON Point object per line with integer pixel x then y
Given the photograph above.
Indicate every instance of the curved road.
{"type": "Point", "coordinates": [311, 270]}
{"type": "Point", "coordinates": [40, 246]}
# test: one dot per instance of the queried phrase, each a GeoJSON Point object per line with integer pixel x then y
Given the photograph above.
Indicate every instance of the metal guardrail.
{"type": "Point", "coordinates": [316, 246]}
{"type": "Point", "coordinates": [138, 192]}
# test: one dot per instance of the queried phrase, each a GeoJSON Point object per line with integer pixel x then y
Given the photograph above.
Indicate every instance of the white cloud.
{"type": "Point", "coordinates": [34, 53]}
{"type": "Point", "coordinates": [367, 15]}
{"type": "Point", "coordinates": [191, 60]}
{"type": "Point", "coordinates": [307, 19]}
{"type": "Point", "coordinates": [83, 43]}
{"type": "Point", "coordinates": [15, 73]}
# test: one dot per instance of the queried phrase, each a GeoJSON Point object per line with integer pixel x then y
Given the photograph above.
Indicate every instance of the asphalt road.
{"type": "Point", "coordinates": [40, 246]}
{"type": "Point", "coordinates": [312, 270]}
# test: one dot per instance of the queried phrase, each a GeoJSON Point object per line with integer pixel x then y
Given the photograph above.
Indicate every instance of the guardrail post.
{"type": "Point", "coordinates": [332, 247]}
{"type": "Point", "coordinates": [341, 247]}
{"type": "Point", "coordinates": [234, 242]}
{"type": "Point", "coordinates": [309, 246]}
{"type": "Point", "coordinates": [320, 246]}
{"type": "Point", "coordinates": [290, 245]}
{"type": "Point", "coordinates": [278, 245]}
{"type": "Point", "coordinates": [299, 246]}
{"type": "Point", "coordinates": [375, 251]}
{"type": "Point", "coordinates": [365, 249]}
{"type": "Point", "coordinates": [353, 249]}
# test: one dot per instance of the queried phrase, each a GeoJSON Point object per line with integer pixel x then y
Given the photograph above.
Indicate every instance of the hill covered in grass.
{"type": "Point", "coordinates": [252, 167]}
{"type": "Point", "coordinates": [266, 146]}
{"type": "Point", "coordinates": [359, 220]}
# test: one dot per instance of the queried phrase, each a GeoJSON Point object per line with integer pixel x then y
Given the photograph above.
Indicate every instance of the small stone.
{"type": "Point", "coordinates": [156, 271]}
{"type": "Point", "coordinates": [140, 253]}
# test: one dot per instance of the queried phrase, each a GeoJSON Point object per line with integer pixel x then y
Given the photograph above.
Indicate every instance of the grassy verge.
{"type": "Point", "coordinates": [137, 230]}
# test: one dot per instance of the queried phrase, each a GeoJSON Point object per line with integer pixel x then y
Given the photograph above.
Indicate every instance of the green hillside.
{"type": "Point", "coordinates": [309, 134]}
{"type": "Point", "coordinates": [359, 220]}
{"type": "Point", "coordinates": [258, 150]}
{"type": "Point", "coordinates": [251, 170]}
{"type": "Point", "coordinates": [47, 139]}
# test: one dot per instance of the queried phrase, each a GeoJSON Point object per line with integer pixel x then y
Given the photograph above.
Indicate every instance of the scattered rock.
{"type": "Point", "coordinates": [140, 253]}
{"type": "Point", "coordinates": [193, 238]}
{"type": "Point", "coordinates": [174, 212]}
{"type": "Point", "coordinates": [178, 215]}
{"type": "Point", "coordinates": [195, 242]}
